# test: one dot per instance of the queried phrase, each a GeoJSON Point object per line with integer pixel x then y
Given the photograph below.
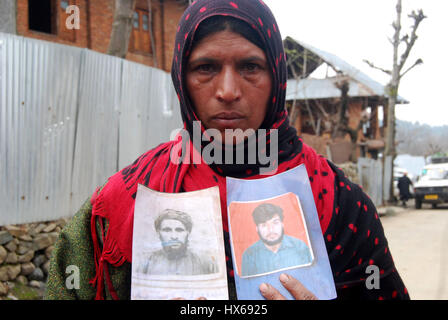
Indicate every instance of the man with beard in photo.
{"type": "Point", "coordinates": [274, 250]}
{"type": "Point", "coordinates": [175, 258]}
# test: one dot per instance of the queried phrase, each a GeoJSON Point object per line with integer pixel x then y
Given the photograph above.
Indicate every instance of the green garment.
{"type": "Point", "coordinates": [75, 247]}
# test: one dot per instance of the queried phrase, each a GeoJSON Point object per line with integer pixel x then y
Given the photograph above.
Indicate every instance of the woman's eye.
{"type": "Point", "coordinates": [205, 68]}
{"type": "Point", "coordinates": [251, 67]}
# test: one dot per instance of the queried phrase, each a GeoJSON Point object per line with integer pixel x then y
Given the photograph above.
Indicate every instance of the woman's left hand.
{"type": "Point", "coordinates": [297, 290]}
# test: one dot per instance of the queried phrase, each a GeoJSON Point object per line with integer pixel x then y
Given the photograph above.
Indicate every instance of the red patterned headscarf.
{"type": "Point", "coordinates": [115, 201]}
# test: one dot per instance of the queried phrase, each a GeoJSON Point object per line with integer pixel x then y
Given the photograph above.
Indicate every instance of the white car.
{"type": "Point", "coordinates": [432, 187]}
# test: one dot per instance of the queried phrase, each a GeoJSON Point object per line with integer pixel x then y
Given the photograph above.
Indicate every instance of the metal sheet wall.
{"type": "Point", "coordinates": [70, 118]}
{"type": "Point", "coordinates": [370, 174]}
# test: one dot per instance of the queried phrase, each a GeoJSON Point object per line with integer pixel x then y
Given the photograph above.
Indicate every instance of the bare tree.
{"type": "Point", "coordinates": [397, 74]}
{"type": "Point", "coordinates": [121, 28]}
{"type": "Point", "coordinates": [340, 126]}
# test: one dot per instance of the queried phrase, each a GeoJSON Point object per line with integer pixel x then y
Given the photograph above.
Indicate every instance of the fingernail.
{"type": "Point", "coordinates": [263, 287]}
{"type": "Point", "coordinates": [284, 277]}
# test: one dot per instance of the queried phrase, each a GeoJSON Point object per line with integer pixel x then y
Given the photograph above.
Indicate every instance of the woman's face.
{"type": "Point", "coordinates": [229, 82]}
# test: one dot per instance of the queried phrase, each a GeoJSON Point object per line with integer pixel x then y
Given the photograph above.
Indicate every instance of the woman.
{"type": "Point", "coordinates": [229, 71]}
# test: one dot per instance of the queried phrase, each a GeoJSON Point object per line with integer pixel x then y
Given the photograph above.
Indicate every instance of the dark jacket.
{"type": "Point", "coordinates": [403, 185]}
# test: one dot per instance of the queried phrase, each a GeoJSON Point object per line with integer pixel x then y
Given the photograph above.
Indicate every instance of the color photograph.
{"type": "Point", "coordinates": [269, 235]}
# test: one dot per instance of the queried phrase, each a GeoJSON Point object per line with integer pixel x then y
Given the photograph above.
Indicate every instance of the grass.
{"type": "Point", "coordinates": [23, 292]}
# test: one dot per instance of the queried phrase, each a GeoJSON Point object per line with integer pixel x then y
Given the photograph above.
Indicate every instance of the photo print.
{"type": "Point", "coordinates": [274, 228]}
{"type": "Point", "coordinates": [178, 249]}
{"type": "Point", "coordinates": [269, 235]}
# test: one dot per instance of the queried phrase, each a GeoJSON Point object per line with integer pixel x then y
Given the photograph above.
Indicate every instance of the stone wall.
{"type": "Point", "coordinates": [25, 251]}
{"type": "Point", "coordinates": [351, 171]}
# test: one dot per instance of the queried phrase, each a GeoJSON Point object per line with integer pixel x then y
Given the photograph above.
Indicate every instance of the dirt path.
{"type": "Point", "coordinates": [418, 240]}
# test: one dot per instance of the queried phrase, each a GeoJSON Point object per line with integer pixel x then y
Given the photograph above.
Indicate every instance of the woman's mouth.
{"type": "Point", "coordinates": [228, 119]}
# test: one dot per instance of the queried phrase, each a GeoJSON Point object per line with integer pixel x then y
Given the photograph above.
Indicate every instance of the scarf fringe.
{"type": "Point", "coordinates": [109, 254]}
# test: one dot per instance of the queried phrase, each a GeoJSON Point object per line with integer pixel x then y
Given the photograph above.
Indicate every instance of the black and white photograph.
{"type": "Point", "coordinates": [177, 245]}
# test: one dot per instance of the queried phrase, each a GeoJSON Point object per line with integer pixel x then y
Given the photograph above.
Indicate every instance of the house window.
{"type": "Point", "coordinates": [49, 16]}
{"type": "Point", "coordinates": [140, 40]}
{"type": "Point", "coordinates": [41, 17]}
{"type": "Point", "coordinates": [145, 21]}
{"type": "Point", "coordinates": [136, 21]}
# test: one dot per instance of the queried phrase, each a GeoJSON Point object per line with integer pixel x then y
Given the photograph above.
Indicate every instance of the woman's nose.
{"type": "Point", "coordinates": [228, 87]}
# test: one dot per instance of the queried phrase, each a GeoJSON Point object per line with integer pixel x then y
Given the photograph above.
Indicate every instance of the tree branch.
{"type": "Point", "coordinates": [418, 17]}
{"type": "Point", "coordinates": [378, 68]}
{"type": "Point", "coordinates": [416, 63]}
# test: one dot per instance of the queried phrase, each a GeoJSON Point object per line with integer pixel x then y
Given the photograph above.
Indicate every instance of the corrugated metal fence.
{"type": "Point", "coordinates": [370, 173]}
{"type": "Point", "coordinates": [70, 118]}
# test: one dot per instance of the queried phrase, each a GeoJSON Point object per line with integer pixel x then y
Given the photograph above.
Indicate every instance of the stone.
{"type": "Point", "coordinates": [39, 260]}
{"type": "Point", "coordinates": [49, 251]}
{"type": "Point", "coordinates": [39, 228]}
{"type": "Point", "coordinates": [50, 227]}
{"type": "Point", "coordinates": [4, 273]}
{"type": "Point", "coordinates": [54, 237]}
{"type": "Point", "coordinates": [12, 258]}
{"type": "Point", "coordinates": [11, 246]}
{"type": "Point", "coordinates": [42, 241]}
{"type": "Point", "coordinates": [46, 267]}
{"type": "Point", "coordinates": [12, 297]}
{"type": "Point", "coordinates": [27, 268]}
{"type": "Point", "coordinates": [37, 274]}
{"type": "Point", "coordinates": [27, 257]}
{"type": "Point", "coordinates": [22, 249]}
{"type": "Point", "coordinates": [5, 237]}
{"type": "Point", "coordinates": [14, 271]}
{"type": "Point", "coordinates": [17, 231]}
{"type": "Point", "coordinates": [3, 254]}
{"type": "Point", "coordinates": [22, 280]}
{"type": "Point", "coordinates": [26, 237]}
{"type": "Point", "coordinates": [3, 289]}
{"type": "Point", "coordinates": [35, 284]}
{"type": "Point", "coordinates": [61, 222]}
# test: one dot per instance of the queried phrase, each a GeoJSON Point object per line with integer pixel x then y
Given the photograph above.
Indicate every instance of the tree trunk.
{"type": "Point", "coordinates": [341, 125]}
{"type": "Point", "coordinates": [121, 28]}
{"type": "Point", "coordinates": [392, 100]}
{"type": "Point", "coordinates": [396, 75]}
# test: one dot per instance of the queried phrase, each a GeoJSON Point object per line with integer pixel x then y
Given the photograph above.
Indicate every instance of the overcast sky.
{"type": "Point", "coordinates": [359, 29]}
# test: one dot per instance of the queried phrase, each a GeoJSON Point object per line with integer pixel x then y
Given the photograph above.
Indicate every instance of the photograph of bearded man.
{"type": "Point", "coordinates": [275, 250]}
{"type": "Point", "coordinates": [175, 257]}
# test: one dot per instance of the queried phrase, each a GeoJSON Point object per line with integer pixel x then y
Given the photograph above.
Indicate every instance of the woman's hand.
{"type": "Point", "coordinates": [297, 290]}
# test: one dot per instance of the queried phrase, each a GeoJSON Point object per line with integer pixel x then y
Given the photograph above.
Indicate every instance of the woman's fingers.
{"type": "Point", "coordinates": [297, 290]}
{"type": "Point", "coordinates": [270, 293]}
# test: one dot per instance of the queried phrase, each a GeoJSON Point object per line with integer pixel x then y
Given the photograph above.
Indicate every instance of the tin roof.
{"type": "Point", "coordinates": [361, 85]}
